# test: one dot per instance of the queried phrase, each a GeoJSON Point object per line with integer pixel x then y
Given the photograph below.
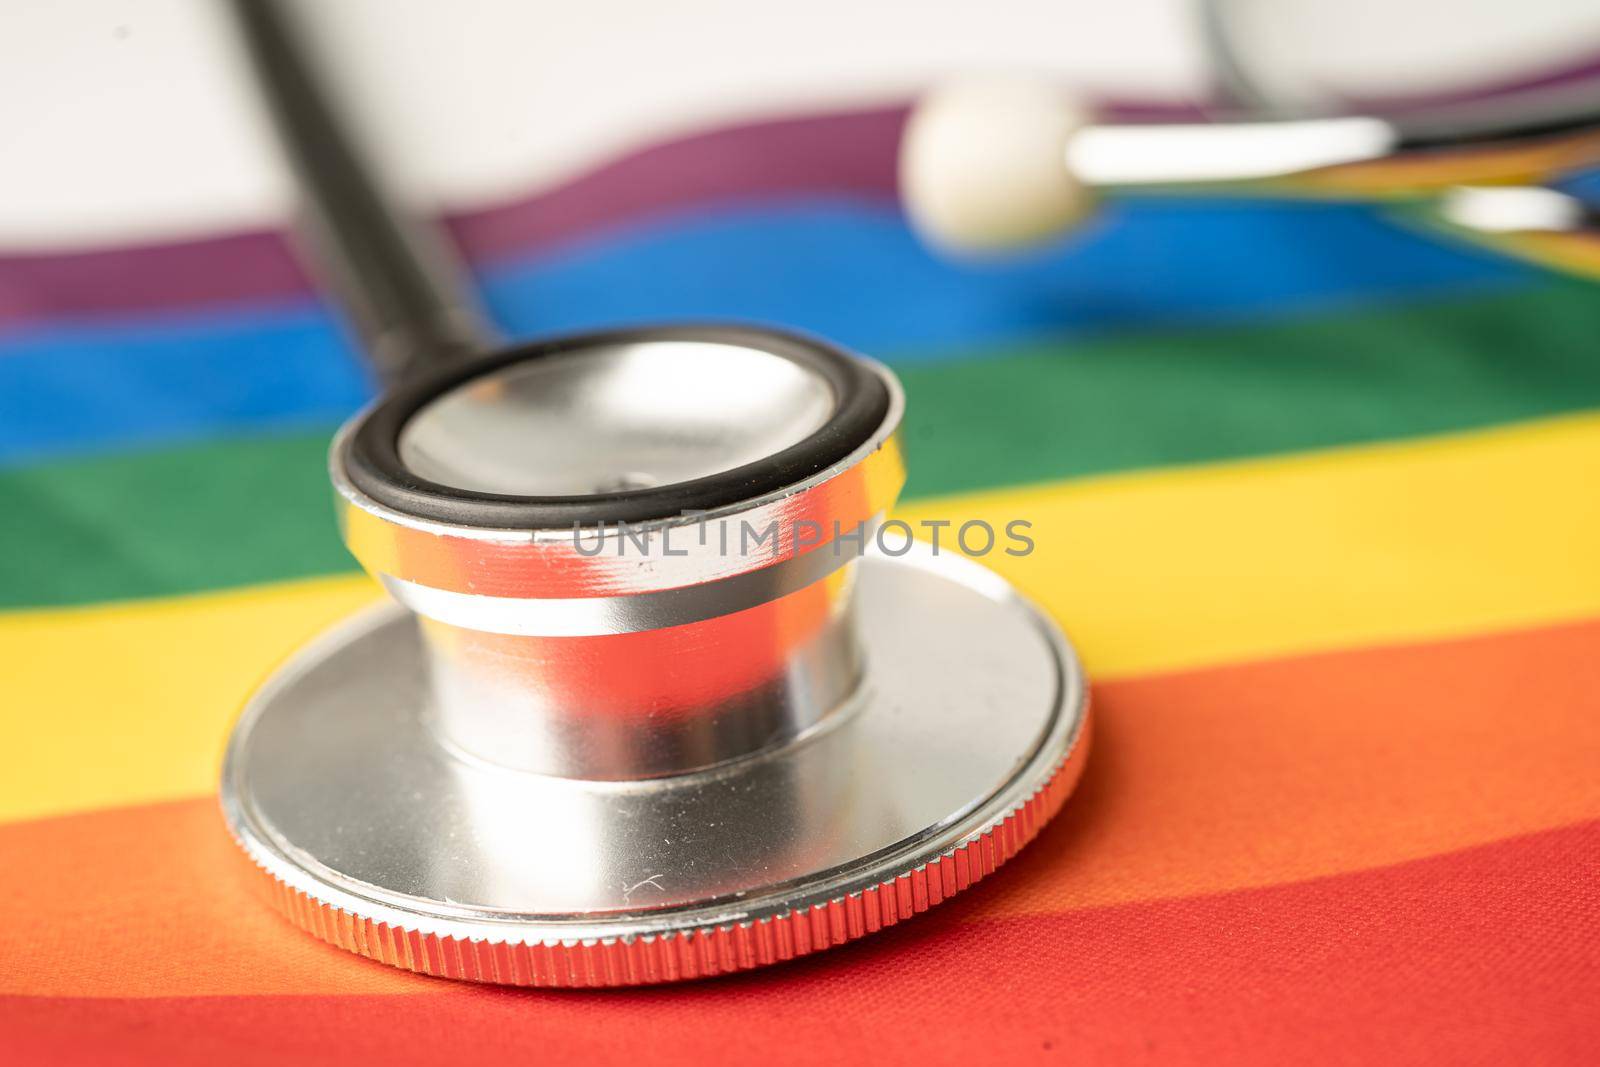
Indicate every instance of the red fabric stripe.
{"type": "Point", "coordinates": [1485, 955]}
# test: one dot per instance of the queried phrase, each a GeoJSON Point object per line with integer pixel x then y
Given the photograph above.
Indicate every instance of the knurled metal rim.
{"type": "Point", "coordinates": [697, 952]}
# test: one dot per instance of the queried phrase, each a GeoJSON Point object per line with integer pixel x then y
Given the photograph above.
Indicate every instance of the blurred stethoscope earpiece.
{"type": "Point", "coordinates": [656, 697]}
{"type": "Point", "coordinates": [983, 164]}
{"type": "Point", "coordinates": [990, 165]}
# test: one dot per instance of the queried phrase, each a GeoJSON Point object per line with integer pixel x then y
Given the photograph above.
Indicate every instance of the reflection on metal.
{"type": "Point", "coordinates": [624, 416]}
{"type": "Point", "coordinates": [1176, 154]}
{"type": "Point", "coordinates": [1511, 209]}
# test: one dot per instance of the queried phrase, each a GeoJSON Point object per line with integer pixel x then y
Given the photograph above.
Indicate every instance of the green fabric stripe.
{"type": "Point", "coordinates": [170, 521]}
{"type": "Point", "coordinates": [1060, 410]}
{"type": "Point", "coordinates": [257, 510]}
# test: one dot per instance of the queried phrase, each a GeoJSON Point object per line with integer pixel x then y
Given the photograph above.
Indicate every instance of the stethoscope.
{"type": "Point", "coordinates": [998, 165]}
{"type": "Point", "coordinates": [649, 701]}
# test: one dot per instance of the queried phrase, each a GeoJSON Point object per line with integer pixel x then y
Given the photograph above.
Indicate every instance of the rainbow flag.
{"type": "Point", "coordinates": [1317, 495]}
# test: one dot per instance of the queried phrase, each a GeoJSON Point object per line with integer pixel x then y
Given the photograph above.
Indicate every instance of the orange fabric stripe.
{"type": "Point", "coordinates": [1200, 782]}
{"type": "Point", "coordinates": [1482, 956]}
{"type": "Point", "coordinates": [1269, 772]}
{"type": "Point", "coordinates": [154, 901]}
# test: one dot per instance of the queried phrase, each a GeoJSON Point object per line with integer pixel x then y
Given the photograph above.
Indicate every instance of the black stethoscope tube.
{"type": "Point", "coordinates": [397, 276]}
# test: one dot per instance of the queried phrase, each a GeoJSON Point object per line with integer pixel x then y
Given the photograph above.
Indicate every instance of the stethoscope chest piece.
{"type": "Point", "coordinates": [649, 703]}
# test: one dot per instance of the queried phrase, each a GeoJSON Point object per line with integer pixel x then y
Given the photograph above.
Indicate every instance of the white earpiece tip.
{"type": "Point", "coordinates": [983, 165]}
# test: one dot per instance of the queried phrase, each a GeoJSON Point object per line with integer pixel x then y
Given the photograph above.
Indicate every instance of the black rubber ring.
{"type": "Point", "coordinates": [372, 454]}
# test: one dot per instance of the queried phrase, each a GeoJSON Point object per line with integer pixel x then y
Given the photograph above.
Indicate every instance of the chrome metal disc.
{"type": "Point", "coordinates": [376, 836]}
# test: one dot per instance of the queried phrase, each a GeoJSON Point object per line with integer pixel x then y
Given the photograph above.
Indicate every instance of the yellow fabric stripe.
{"type": "Point", "coordinates": [131, 703]}
{"type": "Point", "coordinates": [1183, 568]}
{"type": "Point", "coordinates": [1149, 572]}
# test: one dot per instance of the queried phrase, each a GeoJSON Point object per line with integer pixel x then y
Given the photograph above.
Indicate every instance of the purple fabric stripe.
{"type": "Point", "coordinates": [847, 153]}
{"type": "Point", "coordinates": [142, 278]}
{"type": "Point", "coordinates": [851, 153]}
{"type": "Point", "coordinates": [1529, 83]}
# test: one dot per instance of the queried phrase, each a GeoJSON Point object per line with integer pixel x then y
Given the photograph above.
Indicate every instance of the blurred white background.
{"type": "Point", "coordinates": [125, 120]}
{"type": "Point", "coordinates": [131, 119]}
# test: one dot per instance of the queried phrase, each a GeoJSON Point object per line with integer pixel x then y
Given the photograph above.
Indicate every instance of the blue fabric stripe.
{"type": "Point", "coordinates": [1583, 184]}
{"type": "Point", "coordinates": [847, 270]}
